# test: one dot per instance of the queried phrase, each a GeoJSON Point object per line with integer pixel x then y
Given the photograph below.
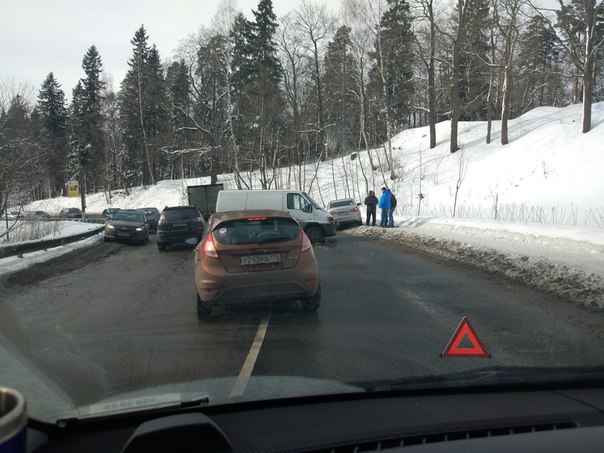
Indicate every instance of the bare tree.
{"type": "Point", "coordinates": [291, 54]}
{"type": "Point", "coordinates": [317, 25]}
{"type": "Point", "coordinates": [360, 36]}
{"type": "Point", "coordinates": [509, 27]}
{"type": "Point", "coordinates": [370, 12]}
{"type": "Point", "coordinates": [425, 9]}
{"type": "Point", "coordinates": [20, 150]}
{"type": "Point", "coordinates": [462, 169]}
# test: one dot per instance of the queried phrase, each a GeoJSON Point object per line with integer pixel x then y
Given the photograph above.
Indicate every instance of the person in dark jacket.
{"type": "Point", "coordinates": [392, 208]}
{"type": "Point", "coordinates": [371, 202]}
{"type": "Point", "coordinates": [384, 205]}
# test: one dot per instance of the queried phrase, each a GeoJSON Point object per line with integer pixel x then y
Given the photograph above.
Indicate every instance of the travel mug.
{"type": "Point", "coordinates": [13, 421]}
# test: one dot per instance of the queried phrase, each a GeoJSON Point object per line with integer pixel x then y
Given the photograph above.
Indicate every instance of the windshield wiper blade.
{"type": "Point", "coordinates": [142, 404]}
{"type": "Point", "coordinates": [489, 376]}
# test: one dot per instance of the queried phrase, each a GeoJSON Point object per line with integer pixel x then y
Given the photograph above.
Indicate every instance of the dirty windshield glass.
{"type": "Point", "coordinates": [466, 137]}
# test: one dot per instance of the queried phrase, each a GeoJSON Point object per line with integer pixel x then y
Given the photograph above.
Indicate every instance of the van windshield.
{"type": "Point", "coordinates": [313, 202]}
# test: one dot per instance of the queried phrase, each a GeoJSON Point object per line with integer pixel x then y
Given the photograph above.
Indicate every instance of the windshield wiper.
{"type": "Point", "coordinates": [143, 404]}
{"type": "Point", "coordinates": [491, 376]}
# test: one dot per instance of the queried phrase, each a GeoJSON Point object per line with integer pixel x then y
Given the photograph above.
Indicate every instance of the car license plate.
{"type": "Point", "coordinates": [250, 260]}
{"type": "Point", "coordinates": [124, 235]}
{"type": "Point", "coordinates": [179, 225]}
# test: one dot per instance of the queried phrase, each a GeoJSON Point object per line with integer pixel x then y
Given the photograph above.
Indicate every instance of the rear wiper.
{"type": "Point", "coordinates": [138, 405]}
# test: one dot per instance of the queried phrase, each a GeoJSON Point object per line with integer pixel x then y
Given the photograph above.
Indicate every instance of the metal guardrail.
{"type": "Point", "coordinates": [18, 249]}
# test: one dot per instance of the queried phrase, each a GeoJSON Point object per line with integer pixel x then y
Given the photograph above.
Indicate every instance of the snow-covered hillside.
{"type": "Point", "coordinates": [549, 173]}
{"type": "Point", "coordinates": [533, 209]}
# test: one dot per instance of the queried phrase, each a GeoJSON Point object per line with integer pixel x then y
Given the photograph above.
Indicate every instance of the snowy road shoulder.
{"type": "Point", "coordinates": [557, 263]}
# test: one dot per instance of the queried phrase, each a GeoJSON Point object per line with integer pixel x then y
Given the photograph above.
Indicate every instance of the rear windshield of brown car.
{"type": "Point", "coordinates": [256, 230]}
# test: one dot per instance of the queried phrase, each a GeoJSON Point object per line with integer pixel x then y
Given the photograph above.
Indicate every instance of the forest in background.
{"type": "Point", "coordinates": [253, 95]}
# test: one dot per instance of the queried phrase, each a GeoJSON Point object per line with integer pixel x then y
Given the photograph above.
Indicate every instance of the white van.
{"type": "Point", "coordinates": [317, 223]}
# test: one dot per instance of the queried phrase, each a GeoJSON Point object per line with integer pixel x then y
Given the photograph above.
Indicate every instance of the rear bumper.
{"type": "Point", "coordinates": [215, 286]}
{"type": "Point", "coordinates": [170, 237]}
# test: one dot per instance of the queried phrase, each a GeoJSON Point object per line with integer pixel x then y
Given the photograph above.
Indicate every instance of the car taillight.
{"type": "Point", "coordinates": [354, 209]}
{"type": "Point", "coordinates": [306, 244]}
{"type": "Point", "coordinates": [251, 219]}
{"type": "Point", "coordinates": [208, 248]}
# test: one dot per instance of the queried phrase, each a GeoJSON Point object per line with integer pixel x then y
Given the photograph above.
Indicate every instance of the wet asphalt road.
{"type": "Point", "coordinates": [120, 316]}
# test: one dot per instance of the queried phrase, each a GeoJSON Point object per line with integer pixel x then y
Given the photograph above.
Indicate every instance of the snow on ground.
{"type": "Point", "coordinates": [17, 263]}
{"type": "Point", "coordinates": [538, 201]}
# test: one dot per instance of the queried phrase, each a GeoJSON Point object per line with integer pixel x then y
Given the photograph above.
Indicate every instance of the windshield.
{"type": "Point", "coordinates": [460, 155]}
{"type": "Point", "coordinates": [172, 214]}
{"type": "Point", "coordinates": [129, 217]}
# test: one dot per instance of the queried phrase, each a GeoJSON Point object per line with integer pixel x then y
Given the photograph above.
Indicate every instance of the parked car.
{"type": "Point", "coordinates": [13, 215]}
{"type": "Point", "coordinates": [41, 215]}
{"type": "Point", "coordinates": [255, 256]}
{"type": "Point", "coordinates": [109, 212]}
{"type": "Point", "coordinates": [70, 213]}
{"type": "Point", "coordinates": [345, 212]}
{"type": "Point", "coordinates": [179, 225]}
{"type": "Point", "coordinates": [152, 215]}
{"type": "Point", "coordinates": [34, 215]}
{"type": "Point", "coordinates": [127, 224]}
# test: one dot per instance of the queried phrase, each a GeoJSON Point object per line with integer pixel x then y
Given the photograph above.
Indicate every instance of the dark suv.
{"type": "Point", "coordinates": [179, 225]}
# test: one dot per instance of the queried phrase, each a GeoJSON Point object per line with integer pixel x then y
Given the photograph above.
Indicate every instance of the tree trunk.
{"type": "Point", "coordinates": [386, 108]}
{"type": "Point", "coordinates": [588, 70]}
{"type": "Point", "coordinates": [432, 117]}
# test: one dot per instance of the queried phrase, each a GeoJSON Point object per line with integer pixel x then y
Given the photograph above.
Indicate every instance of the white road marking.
{"type": "Point", "coordinates": [250, 361]}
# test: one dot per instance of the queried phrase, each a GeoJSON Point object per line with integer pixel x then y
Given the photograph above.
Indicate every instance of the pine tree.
{"type": "Point", "coordinates": [78, 156]}
{"type": "Point", "coordinates": [539, 57]}
{"type": "Point", "coordinates": [255, 87]}
{"type": "Point", "coordinates": [397, 42]}
{"type": "Point", "coordinates": [91, 121]}
{"type": "Point", "coordinates": [53, 118]}
{"type": "Point", "coordinates": [179, 95]}
{"type": "Point", "coordinates": [143, 108]}
{"type": "Point", "coordinates": [156, 110]}
{"type": "Point", "coordinates": [213, 108]}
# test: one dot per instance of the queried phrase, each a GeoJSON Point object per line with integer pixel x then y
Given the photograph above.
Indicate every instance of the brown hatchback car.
{"type": "Point", "coordinates": [255, 256]}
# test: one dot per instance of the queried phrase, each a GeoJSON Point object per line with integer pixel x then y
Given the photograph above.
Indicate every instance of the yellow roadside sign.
{"type": "Point", "coordinates": [73, 189]}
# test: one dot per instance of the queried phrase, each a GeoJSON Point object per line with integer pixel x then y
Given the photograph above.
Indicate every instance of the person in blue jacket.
{"type": "Point", "coordinates": [384, 205]}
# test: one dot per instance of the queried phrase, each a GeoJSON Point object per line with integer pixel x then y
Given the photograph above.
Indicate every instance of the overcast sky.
{"type": "Point", "coordinates": [42, 36]}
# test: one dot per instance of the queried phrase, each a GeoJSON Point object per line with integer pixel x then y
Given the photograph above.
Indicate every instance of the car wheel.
{"type": "Point", "coordinates": [312, 303]}
{"type": "Point", "coordinates": [161, 246]}
{"type": "Point", "coordinates": [315, 233]}
{"type": "Point", "coordinates": [203, 309]}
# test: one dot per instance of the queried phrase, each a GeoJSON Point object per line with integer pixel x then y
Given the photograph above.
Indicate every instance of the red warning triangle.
{"type": "Point", "coordinates": [465, 330]}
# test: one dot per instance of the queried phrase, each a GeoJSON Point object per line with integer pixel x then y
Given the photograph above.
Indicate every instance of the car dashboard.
{"type": "Point", "coordinates": [518, 419]}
